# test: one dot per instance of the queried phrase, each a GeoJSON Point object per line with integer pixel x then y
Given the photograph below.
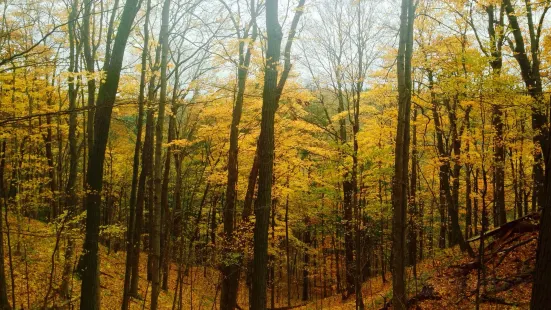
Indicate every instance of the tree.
{"type": "Point", "coordinates": [4, 302]}
{"type": "Point", "coordinates": [70, 190]}
{"type": "Point", "coordinates": [90, 289]}
{"type": "Point", "coordinates": [531, 75]}
{"type": "Point", "coordinates": [400, 182]}
{"type": "Point", "coordinates": [266, 147]}
{"type": "Point", "coordinates": [156, 232]}
{"type": "Point", "coordinates": [133, 242]}
{"type": "Point", "coordinates": [230, 268]}
{"type": "Point", "coordinates": [541, 297]}
{"type": "Point", "coordinates": [338, 53]}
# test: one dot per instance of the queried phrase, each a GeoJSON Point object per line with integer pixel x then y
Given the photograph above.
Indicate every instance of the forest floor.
{"type": "Point", "coordinates": [448, 279]}
{"type": "Point", "coordinates": [37, 268]}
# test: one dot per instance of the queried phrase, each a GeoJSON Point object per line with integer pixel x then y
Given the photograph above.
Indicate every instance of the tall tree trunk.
{"type": "Point", "coordinates": [382, 224]}
{"type": "Point", "coordinates": [152, 92]}
{"type": "Point", "coordinates": [70, 190]}
{"type": "Point", "coordinates": [90, 289]}
{"type": "Point", "coordinates": [530, 72]}
{"type": "Point", "coordinates": [266, 144]}
{"type": "Point", "coordinates": [265, 149]}
{"type": "Point", "coordinates": [166, 234]}
{"type": "Point", "coordinates": [499, 168]}
{"type": "Point", "coordinates": [541, 291]}
{"type": "Point", "coordinates": [89, 64]}
{"type": "Point", "coordinates": [412, 227]}
{"type": "Point", "coordinates": [4, 301]}
{"type": "Point", "coordinates": [348, 191]}
{"type": "Point", "coordinates": [358, 87]}
{"type": "Point", "coordinates": [305, 281]}
{"type": "Point", "coordinates": [442, 201]}
{"type": "Point", "coordinates": [399, 191]}
{"type": "Point", "coordinates": [231, 269]}
{"type": "Point", "coordinates": [447, 200]}
{"type": "Point", "coordinates": [147, 158]}
{"type": "Point", "coordinates": [495, 32]}
{"type": "Point", "coordinates": [468, 201]}
{"type": "Point", "coordinates": [272, 261]}
{"type": "Point", "coordinates": [287, 251]}
{"type": "Point", "coordinates": [475, 202]}
{"type": "Point", "coordinates": [158, 169]}
{"type": "Point", "coordinates": [133, 239]}
{"type": "Point", "coordinates": [457, 133]}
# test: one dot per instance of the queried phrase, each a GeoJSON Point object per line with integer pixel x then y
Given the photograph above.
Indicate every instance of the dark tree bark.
{"type": "Point", "coordinates": [457, 133]}
{"type": "Point", "coordinates": [231, 269]}
{"type": "Point", "coordinates": [468, 199]}
{"type": "Point", "coordinates": [447, 201]}
{"type": "Point", "coordinates": [50, 159]}
{"type": "Point", "coordinates": [147, 158]}
{"type": "Point", "coordinates": [89, 298]}
{"type": "Point", "coordinates": [541, 291]}
{"type": "Point", "coordinates": [4, 301]}
{"type": "Point", "coordinates": [442, 202]}
{"type": "Point", "coordinates": [500, 215]}
{"type": "Point", "coordinates": [266, 144]}
{"type": "Point", "coordinates": [530, 72]}
{"type": "Point", "coordinates": [132, 239]}
{"type": "Point", "coordinates": [251, 185]}
{"type": "Point", "coordinates": [382, 223]}
{"type": "Point", "coordinates": [147, 172]}
{"type": "Point", "coordinates": [287, 252]}
{"type": "Point", "coordinates": [348, 191]}
{"type": "Point", "coordinates": [70, 190]}
{"type": "Point", "coordinates": [306, 262]}
{"type": "Point", "coordinates": [166, 218]}
{"type": "Point", "coordinates": [412, 225]}
{"type": "Point", "coordinates": [475, 202]}
{"type": "Point", "coordinates": [496, 43]}
{"type": "Point", "coordinates": [356, 97]}
{"type": "Point", "coordinates": [156, 231]}
{"type": "Point", "coordinates": [399, 191]}
{"type": "Point", "coordinates": [89, 64]}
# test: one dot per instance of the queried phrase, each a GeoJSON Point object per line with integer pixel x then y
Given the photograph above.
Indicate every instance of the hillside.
{"type": "Point", "coordinates": [37, 269]}
{"type": "Point", "coordinates": [449, 278]}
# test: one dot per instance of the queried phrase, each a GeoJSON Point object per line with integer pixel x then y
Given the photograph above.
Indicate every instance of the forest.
{"type": "Point", "coordinates": [275, 154]}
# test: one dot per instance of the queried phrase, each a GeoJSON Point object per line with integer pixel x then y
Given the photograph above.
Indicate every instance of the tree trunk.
{"type": "Point", "coordinates": [541, 291]}
{"type": "Point", "coordinates": [447, 201]}
{"type": "Point", "coordinates": [266, 144]}
{"type": "Point", "coordinates": [499, 168]}
{"type": "Point", "coordinates": [166, 233]}
{"type": "Point", "coordinates": [230, 269]}
{"type": "Point", "coordinates": [306, 262]}
{"type": "Point", "coordinates": [89, 63]}
{"type": "Point", "coordinates": [412, 227]}
{"type": "Point", "coordinates": [89, 298]}
{"type": "Point", "coordinates": [70, 190]}
{"type": "Point", "coordinates": [135, 216]}
{"type": "Point", "coordinates": [287, 252]}
{"type": "Point", "coordinates": [399, 191]}
{"type": "Point", "coordinates": [468, 201]}
{"type": "Point", "coordinates": [496, 62]}
{"type": "Point", "coordinates": [4, 302]}
{"type": "Point", "coordinates": [475, 203]}
{"type": "Point", "coordinates": [158, 169]}
{"type": "Point", "coordinates": [530, 72]}
{"type": "Point", "coordinates": [348, 191]}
